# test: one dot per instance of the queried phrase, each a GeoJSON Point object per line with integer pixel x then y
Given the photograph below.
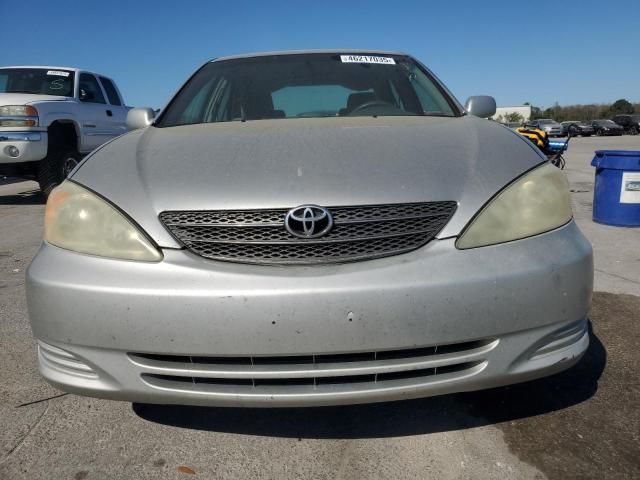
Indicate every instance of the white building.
{"type": "Point", "coordinates": [523, 110]}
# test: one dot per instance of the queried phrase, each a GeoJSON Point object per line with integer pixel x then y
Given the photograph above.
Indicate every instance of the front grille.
{"type": "Point", "coordinates": [259, 236]}
{"type": "Point", "coordinates": [313, 373]}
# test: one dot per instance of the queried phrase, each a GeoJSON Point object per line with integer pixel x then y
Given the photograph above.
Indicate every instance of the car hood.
{"type": "Point", "coordinates": [26, 98]}
{"type": "Point", "coordinates": [284, 163]}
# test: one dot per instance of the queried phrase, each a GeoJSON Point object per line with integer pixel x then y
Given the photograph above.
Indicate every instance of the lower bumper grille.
{"type": "Point", "coordinates": [313, 373]}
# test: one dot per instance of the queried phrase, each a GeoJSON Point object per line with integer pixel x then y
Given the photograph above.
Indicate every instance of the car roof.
{"type": "Point", "coordinates": [55, 67]}
{"type": "Point", "coordinates": [346, 51]}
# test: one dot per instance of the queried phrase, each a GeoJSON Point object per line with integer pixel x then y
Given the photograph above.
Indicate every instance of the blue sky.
{"type": "Point", "coordinates": [538, 51]}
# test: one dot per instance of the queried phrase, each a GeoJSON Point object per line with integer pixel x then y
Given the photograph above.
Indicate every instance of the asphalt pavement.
{"type": "Point", "coordinates": [583, 423]}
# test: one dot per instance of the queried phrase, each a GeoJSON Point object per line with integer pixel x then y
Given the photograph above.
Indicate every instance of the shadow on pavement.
{"type": "Point", "coordinates": [28, 197]}
{"type": "Point", "coordinates": [393, 419]}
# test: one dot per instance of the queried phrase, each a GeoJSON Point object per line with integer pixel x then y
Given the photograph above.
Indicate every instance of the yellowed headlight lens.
{"type": "Point", "coordinates": [78, 220]}
{"type": "Point", "coordinates": [535, 203]}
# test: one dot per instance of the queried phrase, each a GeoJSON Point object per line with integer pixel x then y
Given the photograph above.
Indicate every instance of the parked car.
{"type": "Point", "coordinates": [630, 123]}
{"type": "Point", "coordinates": [341, 231]}
{"type": "Point", "coordinates": [577, 128]}
{"type": "Point", "coordinates": [606, 127]}
{"type": "Point", "coordinates": [51, 116]}
{"type": "Point", "coordinates": [553, 128]}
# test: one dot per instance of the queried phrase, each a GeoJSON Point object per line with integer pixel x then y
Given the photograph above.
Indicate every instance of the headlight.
{"type": "Point", "coordinates": [18, 116]}
{"type": "Point", "coordinates": [78, 220]}
{"type": "Point", "coordinates": [535, 203]}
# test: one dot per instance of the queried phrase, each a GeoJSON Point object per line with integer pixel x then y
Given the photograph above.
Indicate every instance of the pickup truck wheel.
{"type": "Point", "coordinates": [55, 168]}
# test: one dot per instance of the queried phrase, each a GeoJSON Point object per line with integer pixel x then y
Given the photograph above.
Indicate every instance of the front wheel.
{"type": "Point", "coordinates": [634, 131]}
{"type": "Point", "coordinates": [55, 168]}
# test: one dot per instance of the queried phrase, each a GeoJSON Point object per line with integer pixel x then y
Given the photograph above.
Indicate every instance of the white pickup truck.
{"type": "Point", "coordinates": [50, 117]}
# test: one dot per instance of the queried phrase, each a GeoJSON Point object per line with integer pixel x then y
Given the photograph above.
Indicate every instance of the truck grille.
{"type": "Point", "coordinates": [259, 236]}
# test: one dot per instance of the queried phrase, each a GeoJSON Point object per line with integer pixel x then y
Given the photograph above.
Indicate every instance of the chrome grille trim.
{"type": "Point", "coordinates": [259, 236]}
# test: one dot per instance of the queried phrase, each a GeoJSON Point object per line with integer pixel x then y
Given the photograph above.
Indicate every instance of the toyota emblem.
{"type": "Point", "coordinates": [308, 221]}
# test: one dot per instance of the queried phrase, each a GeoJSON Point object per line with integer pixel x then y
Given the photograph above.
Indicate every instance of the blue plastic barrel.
{"type": "Point", "coordinates": [616, 196]}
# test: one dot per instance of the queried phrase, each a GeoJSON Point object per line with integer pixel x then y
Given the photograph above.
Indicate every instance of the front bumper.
{"type": "Point", "coordinates": [188, 331]}
{"type": "Point", "coordinates": [555, 133]}
{"type": "Point", "coordinates": [31, 144]}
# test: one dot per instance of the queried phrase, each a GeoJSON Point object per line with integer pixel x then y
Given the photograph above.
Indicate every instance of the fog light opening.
{"type": "Point", "coordinates": [12, 151]}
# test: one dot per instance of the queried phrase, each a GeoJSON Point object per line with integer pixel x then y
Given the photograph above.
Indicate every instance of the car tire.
{"type": "Point", "coordinates": [57, 165]}
{"type": "Point", "coordinates": [633, 131]}
{"type": "Point", "coordinates": [599, 132]}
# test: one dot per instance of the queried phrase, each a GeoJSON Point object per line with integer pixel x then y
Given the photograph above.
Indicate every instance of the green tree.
{"type": "Point", "coordinates": [535, 111]}
{"type": "Point", "coordinates": [513, 117]}
{"type": "Point", "coordinates": [621, 106]}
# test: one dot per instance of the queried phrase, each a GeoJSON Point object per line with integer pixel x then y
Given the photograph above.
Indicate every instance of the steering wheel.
{"type": "Point", "coordinates": [369, 104]}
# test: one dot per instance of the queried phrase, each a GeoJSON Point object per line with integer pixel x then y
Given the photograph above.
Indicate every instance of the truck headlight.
{"type": "Point", "coordinates": [18, 116]}
{"type": "Point", "coordinates": [79, 220]}
{"type": "Point", "coordinates": [535, 203]}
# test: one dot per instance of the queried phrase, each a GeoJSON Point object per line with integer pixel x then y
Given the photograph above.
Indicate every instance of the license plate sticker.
{"type": "Point", "coordinates": [58, 73]}
{"type": "Point", "coordinates": [367, 59]}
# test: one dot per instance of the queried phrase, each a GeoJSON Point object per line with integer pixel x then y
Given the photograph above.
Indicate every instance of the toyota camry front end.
{"type": "Point", "coordinates": [309, 228]}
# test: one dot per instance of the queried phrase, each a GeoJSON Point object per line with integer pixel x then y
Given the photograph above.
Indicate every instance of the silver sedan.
{"type": "Point", "coordinates": [309, 228]}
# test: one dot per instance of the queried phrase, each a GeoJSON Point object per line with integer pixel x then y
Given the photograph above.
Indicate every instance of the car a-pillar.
{"type": "Point", "coordinates": [62, 156]}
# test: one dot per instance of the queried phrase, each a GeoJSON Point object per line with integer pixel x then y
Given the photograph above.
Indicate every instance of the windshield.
{"type": "Point", "coordinates": [545, 121]}
{"type": "Point", "coordinates": [606, 122]}
{"type": "Point", "coordinates": [307, 85]}
{"type": "Point", "coordinates": [38, 81]}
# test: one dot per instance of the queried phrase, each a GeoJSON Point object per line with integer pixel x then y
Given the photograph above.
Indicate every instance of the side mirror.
{"type": "Point", "coordinates": [139, 118]}
{"type": "Point", "coordinates": [481, 106]}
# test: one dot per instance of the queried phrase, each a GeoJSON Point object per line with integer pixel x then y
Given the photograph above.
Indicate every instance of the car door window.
{"type": "Point", "coordinates": [112, 93]}
{"type": "Point", "coordinates": [90, 91]}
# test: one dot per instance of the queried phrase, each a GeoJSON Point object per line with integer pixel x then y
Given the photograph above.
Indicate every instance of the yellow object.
{"type": "Point", "coordinates": [537, 136]}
